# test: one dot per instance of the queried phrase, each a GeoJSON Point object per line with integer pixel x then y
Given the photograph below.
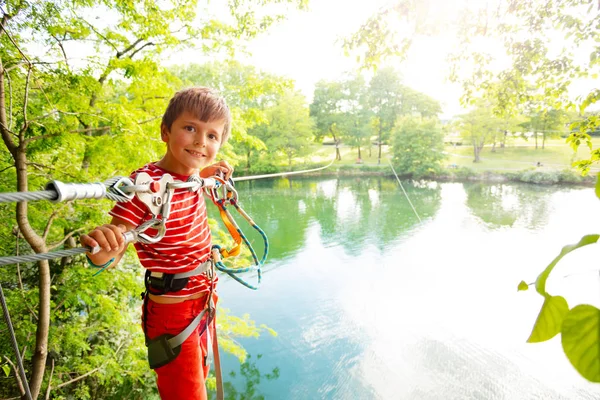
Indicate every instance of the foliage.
{"type": "Point", "coordinates": [249, 93]}
{"type": "Point", "coordinates": [328, 112]}
{"type": "Point", "coordinates": [579, 326]}
{"type": "Point", "coordinates": [417, 147]}
{"type": "Point", "coordinates": [479, 127]}
{"type": "Point", "coordinates": [81, 95]}
{"type": "Point", "coordinates": [289, 130]}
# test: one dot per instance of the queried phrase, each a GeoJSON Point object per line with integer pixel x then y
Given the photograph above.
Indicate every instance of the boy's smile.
{"type": "Point", "coordinates": [191, 144]}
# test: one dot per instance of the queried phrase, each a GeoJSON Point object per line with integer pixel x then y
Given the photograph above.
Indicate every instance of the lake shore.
{"type": "Point", "coordinates": [460, 174]}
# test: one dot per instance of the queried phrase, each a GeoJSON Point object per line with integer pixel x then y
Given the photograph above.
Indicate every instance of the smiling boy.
{"type": "Point", "coordinates": [195, 125]}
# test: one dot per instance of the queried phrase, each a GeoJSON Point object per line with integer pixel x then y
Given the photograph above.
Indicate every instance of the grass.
{"type": "Point", "coordinates": [556, 155]}
{"type": "Point", "coordinates": [517, 155]}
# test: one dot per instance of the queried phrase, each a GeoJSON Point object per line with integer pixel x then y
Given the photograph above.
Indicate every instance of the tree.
{"type": "Point", "coordinates": [417, 146]}
{"type": "Point", "coordinates": [356, 115]}
{"type": "Point", "coordinates": [77, 117]}
{"type": "Point", "coordinates": [527, 29]}
{"type": "Point", "coordinates": [385, 101]}
{"type": "Point", "coordinates": [249, 94]}
{"type": "Point", "coordinates": [479, 127]}
{"type": "Point", "coordinates": [326, 109]}
{"type": "Point", "coordinates": [290, 129]}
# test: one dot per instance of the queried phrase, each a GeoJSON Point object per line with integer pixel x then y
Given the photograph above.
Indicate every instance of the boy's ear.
{"type": "Point", "coordinates": [164, 133]}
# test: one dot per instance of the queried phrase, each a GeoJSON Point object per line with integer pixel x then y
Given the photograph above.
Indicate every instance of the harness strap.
{"type": "Point", "coordinates": [217, 360]}
{"type": "Point", "coordinates": [200, 269]}
{"type": "Point", "coordinates": [183, 335]}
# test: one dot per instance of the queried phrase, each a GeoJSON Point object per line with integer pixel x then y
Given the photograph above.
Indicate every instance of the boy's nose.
{"type": "Point", "coordinates": [199, 140]}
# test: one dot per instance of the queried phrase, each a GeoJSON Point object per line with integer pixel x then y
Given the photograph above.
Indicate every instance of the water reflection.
{"type": "Point", "coordinates": [503, 205]}
{"type": "Point", "coordinates": [245, 384]}
{"type": "Point", "coordinates": [371, 304]}
{"type": "Point", "coordinates": [352, 211]}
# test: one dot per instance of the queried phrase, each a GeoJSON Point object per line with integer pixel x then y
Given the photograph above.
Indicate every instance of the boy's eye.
{"type": "Point", "coordinates": [189, 128]}
{"type": "Point", "coordinates": [212, 136]}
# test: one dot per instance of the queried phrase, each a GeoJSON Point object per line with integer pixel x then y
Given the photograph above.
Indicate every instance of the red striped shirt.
{"type": "Point", "coordinates": [187, 240]}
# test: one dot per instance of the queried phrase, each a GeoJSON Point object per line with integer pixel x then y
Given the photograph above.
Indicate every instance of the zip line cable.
{"type": "Point", "coordinates": [15, 345]}
{"type": "Point", "coordinates": [249, 178]}
{"type": "Point", "coordinates": [405, 194]}
{"type": "Point", "coordinates": [117, 189]}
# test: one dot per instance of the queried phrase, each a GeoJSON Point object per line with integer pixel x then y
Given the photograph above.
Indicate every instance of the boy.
{"type": "Point", "coordinates": [196, 123]}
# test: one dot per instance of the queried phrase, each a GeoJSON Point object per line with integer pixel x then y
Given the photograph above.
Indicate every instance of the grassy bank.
{"type": "Point", "coordinates": [517, 162]}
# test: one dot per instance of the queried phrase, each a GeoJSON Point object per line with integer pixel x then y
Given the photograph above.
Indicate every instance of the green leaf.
{"type": "Point", "coordinates": [581, 340]}
{"type": "Point", "coordinates": [598, 186]}
{"type": "Point", "coordinates": [523, 286]}
{"type": "Point", "coordinates": [550, 319]}
{"type": "Point", "coordinates": [540, 283]}
{"type": "Point", "coordinates": [6, 369]}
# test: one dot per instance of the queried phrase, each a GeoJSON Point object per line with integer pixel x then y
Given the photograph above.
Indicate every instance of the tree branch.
{"type": "Point", "coordinates": [50, 381]}
{"type": "Point", "coordinates": [78, 378]}
{"type": "Point", "coordinates": [101, 35]}
{"type": "Point", "coordinates": [10, 100]}
{"type": "Point", "coordinates": [57, 244]}
{"type": "Point", "coordinates": [48, 225]}
{"type": "Point", "coordinates": [128, 49]}
{"type": "Point", "coordinates": [19, 382]}
{"type": "Point", "coordinates": [140, 48]}
{"type": "Point", "coordinates": [4, 126]}
{"type": "Point", "coordinates": [25, 102]}
{"type": "Point", "coordinates": [17, 233]}
{"type": "Point", "coordinates": [85, 130]}
{"type": "Point", "coordinates": [149, 120]}
{"type": "Point", "coordinates": [4, 169]}
{"type": "Point", "coordinates": [63, 51]}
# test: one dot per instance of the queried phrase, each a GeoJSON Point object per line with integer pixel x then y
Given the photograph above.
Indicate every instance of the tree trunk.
{"type": "Point", "coordinates": [336, 142]}
{"type": "Point", "coordinates": [379, 143]}
{"type": "Point", "coordinates": [476, 154]}
{"type": "Point", "coordinates": [359, 155]}
{"type": "Point", "coordinates": [37, 243]}
{"type": "Point", "coordinates": [544, 135]}
{"type": "Point", "coordinates": [39, 246]}
{"type": "Point", "coordinates": [248, 155]}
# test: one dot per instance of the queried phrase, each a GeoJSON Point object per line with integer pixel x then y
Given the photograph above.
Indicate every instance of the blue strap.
{"type": "Point", "coordinates": [102, 267]}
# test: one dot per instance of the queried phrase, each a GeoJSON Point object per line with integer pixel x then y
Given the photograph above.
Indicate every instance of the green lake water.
{"type": "Point", "coordinates": [370, 303]}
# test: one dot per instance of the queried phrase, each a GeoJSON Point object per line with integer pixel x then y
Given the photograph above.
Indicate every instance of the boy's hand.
{"type": "Point", "coordinates": [109, 237]}
{"type": "Point", "coordinates": [221, 167]}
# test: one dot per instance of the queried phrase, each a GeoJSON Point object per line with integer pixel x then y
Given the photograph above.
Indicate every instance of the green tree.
{"type": "Point", "coordinates": [417, 146]}
{"type": "Point", "coordinates": [385, 101]}
{"type": "Point", "coordinates": [249, 94]}
{"type": "Point", "coordinates": [290, 129]}
{"type": "Point", "coordinates": [527, 29]}
{"type": "Point", "coordinates": [327, 112]}
{"type": "Point", "coordinates": [68, 115]}
{"type": "Point", "coordinates": [357, 115]}
{"type": "Point", "coordinates": [480, 127]}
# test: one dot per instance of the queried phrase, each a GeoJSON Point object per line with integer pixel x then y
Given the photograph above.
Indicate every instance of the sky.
{"type": "Point", "coordinates": [307, 47]}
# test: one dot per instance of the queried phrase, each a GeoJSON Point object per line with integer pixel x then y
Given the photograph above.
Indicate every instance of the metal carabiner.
{"type": "Point", "coordinates": [155, 223]}
{"type": "Point", "coordinates": [229, 193]}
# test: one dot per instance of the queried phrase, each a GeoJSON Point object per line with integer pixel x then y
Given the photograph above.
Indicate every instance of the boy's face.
{"type": "Point", "coordinates": [191, 144]}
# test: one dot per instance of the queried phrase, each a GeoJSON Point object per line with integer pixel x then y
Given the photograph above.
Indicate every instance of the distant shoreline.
{"type": "Point", "coordinates": [533, 176]}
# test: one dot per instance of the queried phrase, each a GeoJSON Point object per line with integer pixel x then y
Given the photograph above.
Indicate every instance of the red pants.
{"type": "Point", "coordinates": [184, 377]}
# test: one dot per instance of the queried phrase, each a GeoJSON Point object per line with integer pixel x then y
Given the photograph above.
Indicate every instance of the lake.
{"type": "Point", "coordinates": [369, 302]}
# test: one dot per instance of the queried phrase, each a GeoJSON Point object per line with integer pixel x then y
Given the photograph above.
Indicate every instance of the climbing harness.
{"type": "Point", "coordinates": [157, 196]}
{"type": "Point", "coordinates": [229, 196]}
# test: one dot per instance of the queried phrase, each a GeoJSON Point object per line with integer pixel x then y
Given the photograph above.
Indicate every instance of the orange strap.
{"type": "Point", "coordinates": [234, 234]}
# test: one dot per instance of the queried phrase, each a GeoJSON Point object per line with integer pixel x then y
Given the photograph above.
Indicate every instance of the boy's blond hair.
{"type": "Point", "coordinates": [205, 103]}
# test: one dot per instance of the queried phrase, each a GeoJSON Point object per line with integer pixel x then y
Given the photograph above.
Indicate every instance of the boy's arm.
{"type": "Point", "coordinates": [110, 239]}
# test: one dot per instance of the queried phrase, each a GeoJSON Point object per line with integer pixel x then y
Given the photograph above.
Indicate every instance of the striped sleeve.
{"type": "Point", "coordinates": [132, 211]}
